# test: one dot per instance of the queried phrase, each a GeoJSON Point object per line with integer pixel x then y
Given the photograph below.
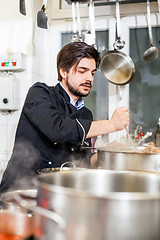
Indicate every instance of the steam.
{"type": "Point", "coordinates": [21, 168]}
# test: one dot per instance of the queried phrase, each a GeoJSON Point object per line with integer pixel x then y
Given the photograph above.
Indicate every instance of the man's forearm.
{"type": "Point", "coordinates": [100, 127]}
{"type": "Point", "coordinates": [117, 122]}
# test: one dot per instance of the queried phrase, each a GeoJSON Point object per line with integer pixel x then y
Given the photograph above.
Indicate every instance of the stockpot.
{"type": "Point", "coordinates": [98, 204]}
{"type": "Point", "coordinates": [66, 166]}
{"type": "Point", "coordinates": [125, 158]}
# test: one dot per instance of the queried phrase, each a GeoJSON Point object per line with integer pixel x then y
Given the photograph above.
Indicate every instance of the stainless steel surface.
{"type": "Point", "coordinates": [51, 170]}
{"type": "Point", "coordinates": [125, 158]}
{"type": "Point", "coordinates": [29, 195]}
{"type": "Point", "coordinates": [117, 67]}
{"type": "Point", "coordinates": [70, 166]}
{"type": "Point", "coordinates": [102, 204]}
{"type": "Point", "coordinates": [151, 53]}
{"type": "Point", "coordinates": [76, 23]}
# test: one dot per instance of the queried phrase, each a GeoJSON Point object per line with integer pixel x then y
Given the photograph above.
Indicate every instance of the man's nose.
{"type": "Point", "coordinates": [90, 76]}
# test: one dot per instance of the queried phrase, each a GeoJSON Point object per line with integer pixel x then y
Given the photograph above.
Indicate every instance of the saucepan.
{"type": "Point", "coordinates": [99, 204]}
{"type": "Point", "coordinates": [67, 166]}
{"type": "Point", "coordinates": [117, 67]}
{"type": "Point", "coordinates": [15, 222]}
{"type": "Point", "coordinates": [28, 195]}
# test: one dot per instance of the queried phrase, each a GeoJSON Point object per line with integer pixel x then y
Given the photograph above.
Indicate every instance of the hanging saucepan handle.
{"type": "Point", "coordinates": [118, 19]}
{"type": "Point", "coordinates": [90, 36]}
{"type": "Point", "coordinates": [79, 23]}
{"type": "Point", "coordinates": [92, 21]}
{"type": "Point", "coordinates": [74, 18]}
{"type": "Point", "coordinates": [74, 36]}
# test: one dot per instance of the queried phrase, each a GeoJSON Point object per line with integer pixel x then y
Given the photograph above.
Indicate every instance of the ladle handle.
{"type": "Point", "coordinates": [131, 140]}
{"type": "Point", "coordinates": [78, 19]}
{"type": "Point", "coordinates": [118, 27]}
{"type": "Point", "coordinates": [74, 18]}
{"type": "Point", "coordinates": [92, 19]}
{"type": "Point", "coordinates": [149, 23]}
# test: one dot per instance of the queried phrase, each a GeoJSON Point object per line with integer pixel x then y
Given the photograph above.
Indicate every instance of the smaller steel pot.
{"type": "Point", "coordinates": [29, 195]}
{"type": "Point", "coordinates": [15, 222]}
{"type": "Point", "coordinates": [59, 169]}
{"type": "Point", "coordinates": [126, 159]}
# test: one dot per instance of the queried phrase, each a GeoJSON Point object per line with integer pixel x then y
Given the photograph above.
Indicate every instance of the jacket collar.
{"type": "Point", "coordinates": [80, 102]}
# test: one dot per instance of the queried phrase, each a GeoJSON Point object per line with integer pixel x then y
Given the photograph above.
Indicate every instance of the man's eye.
{"type": "Point", "coordinates": [81, 71]}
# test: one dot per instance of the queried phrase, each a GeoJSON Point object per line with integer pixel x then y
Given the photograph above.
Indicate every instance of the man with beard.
{"type": "Point", "coordinates": [54, 119]}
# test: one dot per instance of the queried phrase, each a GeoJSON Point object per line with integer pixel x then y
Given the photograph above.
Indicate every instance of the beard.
{"type": "Point", "coordinates": [75, 91]}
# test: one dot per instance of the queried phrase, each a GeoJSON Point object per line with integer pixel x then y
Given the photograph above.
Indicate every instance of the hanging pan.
{"type": "Point", "coordinates": [116, 66]}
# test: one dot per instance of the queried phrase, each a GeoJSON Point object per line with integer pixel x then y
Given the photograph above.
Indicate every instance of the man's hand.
{"type": "Point", "coordinates": [118, 121]}
{"type": "Point", "coordinates": [120, 118]}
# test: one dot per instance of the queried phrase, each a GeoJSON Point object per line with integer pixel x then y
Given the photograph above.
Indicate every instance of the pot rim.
{"type": "Point", "coordinates": [113, 150]}
{"type": "Point", "coordinates": [128, 196]}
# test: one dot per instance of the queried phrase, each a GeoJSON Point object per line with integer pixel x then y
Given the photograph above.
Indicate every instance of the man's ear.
{"type": "Point", "coordinates": [63, 73]}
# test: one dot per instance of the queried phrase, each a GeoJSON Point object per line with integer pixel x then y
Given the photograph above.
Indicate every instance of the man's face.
{"type": "Point", "coordinates": [78, 82]}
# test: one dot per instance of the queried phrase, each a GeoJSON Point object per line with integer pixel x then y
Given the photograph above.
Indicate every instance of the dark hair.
{"type": "Point", "coordinates": [72, 53]}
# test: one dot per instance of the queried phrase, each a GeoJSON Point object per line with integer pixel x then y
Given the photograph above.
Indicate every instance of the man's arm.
{"type": "Point", "coordinates": [118, 121]}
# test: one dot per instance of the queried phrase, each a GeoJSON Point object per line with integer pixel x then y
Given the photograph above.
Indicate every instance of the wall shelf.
{"type": "Point", "coordinates": [102, 8]}
{"type": "Point", "coordinates": [108, 2]}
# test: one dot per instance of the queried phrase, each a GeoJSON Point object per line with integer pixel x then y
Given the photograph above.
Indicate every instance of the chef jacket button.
{"type": "Point", "coordinates": [49, 162]}
{"type": "Point", "coordinates": [72, 149]}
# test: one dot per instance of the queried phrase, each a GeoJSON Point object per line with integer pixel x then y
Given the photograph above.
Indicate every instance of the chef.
{"type": "Point", "coordinates": [54, 120]}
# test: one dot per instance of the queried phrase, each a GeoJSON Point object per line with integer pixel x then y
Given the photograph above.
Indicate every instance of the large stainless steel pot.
{"type": "Point", "coordinates": [125, 158]}
{"type": "Point", "coordinates": [101, 205]}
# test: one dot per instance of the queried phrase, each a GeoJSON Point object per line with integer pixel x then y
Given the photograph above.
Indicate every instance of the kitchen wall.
{"type": "Point", "coordinates": [19, 34]}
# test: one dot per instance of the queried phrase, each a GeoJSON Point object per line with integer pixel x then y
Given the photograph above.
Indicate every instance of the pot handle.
{"type": "Point", "coordinates": [71, 163]}
{"type": "Point", "coordinates": [51, 215]}
{"type": "Point", "coordinates": [41, 211]}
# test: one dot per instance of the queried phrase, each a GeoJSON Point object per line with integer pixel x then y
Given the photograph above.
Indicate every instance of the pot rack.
{"type": "Point", "coordinates": [108, 2]}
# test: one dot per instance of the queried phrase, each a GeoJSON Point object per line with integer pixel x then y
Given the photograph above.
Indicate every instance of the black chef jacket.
{"type": "Point", "coordinates": [53, 126]}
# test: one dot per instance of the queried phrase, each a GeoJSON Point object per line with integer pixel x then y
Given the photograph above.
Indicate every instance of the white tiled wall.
{"type": "Point", "coordinates": [8, 125]}
{"type": "Point", "coordinates": [38, 67]}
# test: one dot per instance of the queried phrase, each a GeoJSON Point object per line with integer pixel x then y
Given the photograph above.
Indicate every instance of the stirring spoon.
{"type": "Point", "coordinates": [131, 140]}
